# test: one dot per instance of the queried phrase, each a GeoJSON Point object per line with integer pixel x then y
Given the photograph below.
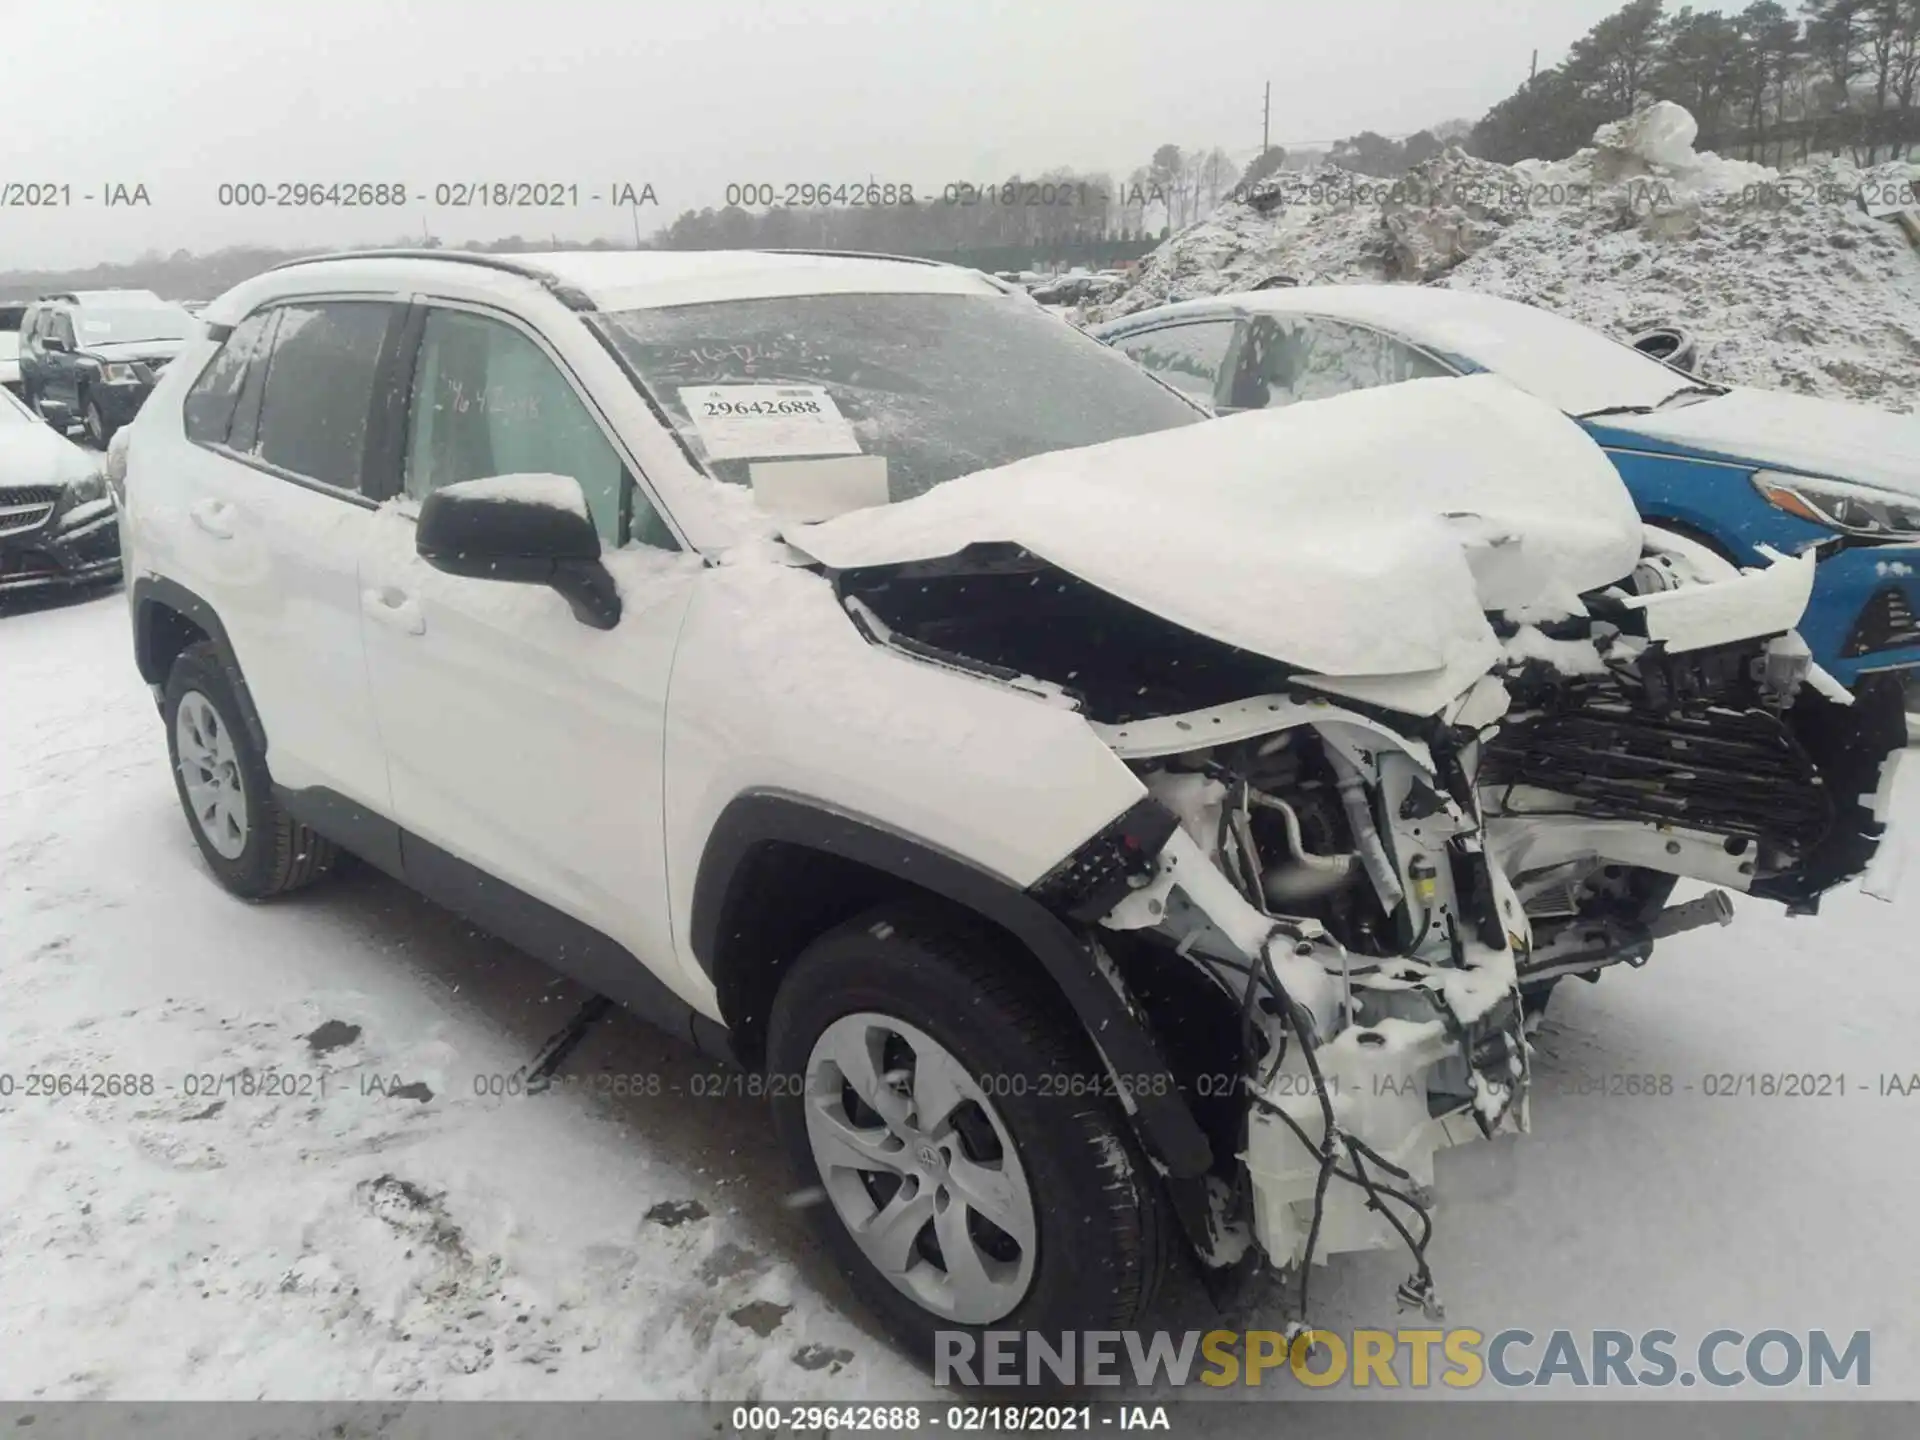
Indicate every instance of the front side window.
{"type": "Point", "coordinates": [1188, 357]}
{"type": "Point", "coordinates": [910, 389]}
{"type": "Point", "coordinates": [60, 327]}
{"type": "Point", "coordinates": [489, 401]}
{"type": "Point", "coordinates": [1307, 358]}
{"type": "Point", "coordinates": [319, 389]}
{"type": "Point", "coordinates": [209, 406]}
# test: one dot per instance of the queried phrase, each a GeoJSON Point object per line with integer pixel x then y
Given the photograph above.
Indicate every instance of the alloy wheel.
{"type": "Point", "coordinates": [210, 770]}
{"type": "Point", "coordinates": [920, 1168]}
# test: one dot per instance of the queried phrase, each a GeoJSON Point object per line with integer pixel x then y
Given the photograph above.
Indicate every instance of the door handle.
{"type": "Point", "coordinates": [213, 516]}
{"type": "Point", "coordinates": [395, 609]}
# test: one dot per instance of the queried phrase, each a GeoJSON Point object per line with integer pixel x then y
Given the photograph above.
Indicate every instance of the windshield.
{"type": "Point", "coordinates": [129, 325]}
{"type": "Point", "coordinates": [927, 386]}
{"type": "Point", "coordinates": [1560, 361]}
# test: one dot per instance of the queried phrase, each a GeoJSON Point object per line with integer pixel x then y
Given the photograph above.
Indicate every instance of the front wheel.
{"type": "Point", "coordinates": [974, 1173]}
{"type": "Point", "coordinates": [98, 431]}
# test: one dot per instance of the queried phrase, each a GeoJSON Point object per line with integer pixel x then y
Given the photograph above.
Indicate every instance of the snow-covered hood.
{"type": "Point", "coordinates": [1834, 438]}
{"type": "Point", "coordinates": [32, 454]}
{"type": "Point", "coordinates": [1315, 535]}
{"type": "Point", "coordinates": [135, 349]}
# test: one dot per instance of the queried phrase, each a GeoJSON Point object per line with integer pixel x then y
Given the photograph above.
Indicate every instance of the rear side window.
{"type": "Point", "coordinates": [319, 389]}
{"type": "Point", "coordinates": [208, 410]}
{"type": "Point", "coordinates": [1311, 358]}
{"type": "Point", "coordinates": [1188, 357]}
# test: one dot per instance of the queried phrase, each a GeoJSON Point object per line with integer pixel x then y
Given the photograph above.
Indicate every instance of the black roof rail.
{"type": "Point", "coordinates": [568, 295]}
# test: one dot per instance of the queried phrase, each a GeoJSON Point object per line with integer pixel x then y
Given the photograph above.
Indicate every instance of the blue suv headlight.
{"type": "Point", "coordinates": [1855, 509]}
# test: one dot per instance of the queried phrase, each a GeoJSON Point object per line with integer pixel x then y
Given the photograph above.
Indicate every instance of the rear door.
{"type": "Point", "coordinates": [271, 513]}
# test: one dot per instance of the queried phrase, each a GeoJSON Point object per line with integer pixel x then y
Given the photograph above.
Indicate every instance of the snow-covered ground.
{"type": "Point", "coordinates": [401, 1235]}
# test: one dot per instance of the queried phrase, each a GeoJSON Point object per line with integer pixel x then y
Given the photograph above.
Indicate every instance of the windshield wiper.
{"type": "Point", "coordinates": [1691, 390]}
{"type": "Point", "coordinates": [1649, 409]}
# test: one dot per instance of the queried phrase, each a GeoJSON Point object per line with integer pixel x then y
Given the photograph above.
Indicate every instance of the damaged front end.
{"type": "Point", "coordinates": [1679, 729]}
{"type": "Point", "coordinates": [1314, 928]}
{"type": "Point", "coordinates": [1391, 791]}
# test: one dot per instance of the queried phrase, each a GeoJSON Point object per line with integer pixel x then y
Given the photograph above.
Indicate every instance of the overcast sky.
{"type": "Point", "coordinates": [687, 95]}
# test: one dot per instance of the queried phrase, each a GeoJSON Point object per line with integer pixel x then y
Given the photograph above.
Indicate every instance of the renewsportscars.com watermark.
{"type": "Point", "coordinates": [1459, 1359]}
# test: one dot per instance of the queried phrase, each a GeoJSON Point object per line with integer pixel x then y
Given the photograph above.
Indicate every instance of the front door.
{"type": "Point", "coordinates": [521, 742]}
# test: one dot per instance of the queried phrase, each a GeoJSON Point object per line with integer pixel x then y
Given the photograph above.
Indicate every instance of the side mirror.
{"type": "Point", "coordinates": [527, 529]}
{"type": "Point", "coordinates": [55, 344]}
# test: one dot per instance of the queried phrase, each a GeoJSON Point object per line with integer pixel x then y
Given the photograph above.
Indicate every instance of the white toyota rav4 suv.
{"type": "Point", "coordinates": [1078, 808]}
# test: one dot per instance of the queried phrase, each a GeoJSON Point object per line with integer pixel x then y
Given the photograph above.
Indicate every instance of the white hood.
{"type": "Point", "coordinates": [1834, 438]}
{"type": "Point", "coordinates": [1312, 535]}
{"type": "Point", "coordinates": [32, 454]}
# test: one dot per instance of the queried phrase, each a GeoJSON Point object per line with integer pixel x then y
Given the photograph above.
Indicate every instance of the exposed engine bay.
{"type": "Point", "coordinates": [1356, 907]}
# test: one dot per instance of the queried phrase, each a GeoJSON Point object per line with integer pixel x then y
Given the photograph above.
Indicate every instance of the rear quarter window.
{"type": "Point", "coordinates": [209, 406]}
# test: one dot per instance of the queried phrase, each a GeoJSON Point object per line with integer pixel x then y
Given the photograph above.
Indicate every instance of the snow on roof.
{"type": "Point", "coordinates": [1567, 364]}
{"type": "Point", "coordinates": [632, 279]}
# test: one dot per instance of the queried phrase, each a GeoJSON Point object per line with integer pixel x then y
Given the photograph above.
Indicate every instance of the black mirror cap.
{"type": "Point", "coordinates": [506, 523]}
{"type": "Point", "coordinates": [526, 529]}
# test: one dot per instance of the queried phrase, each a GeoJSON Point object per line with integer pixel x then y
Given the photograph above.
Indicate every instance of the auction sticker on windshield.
{"type": "Point", "coordinates": [764, 422]}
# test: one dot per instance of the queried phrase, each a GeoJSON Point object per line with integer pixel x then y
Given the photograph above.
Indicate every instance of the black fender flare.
{"type": "Point", "coordinates": [152, 597]}
{"type": "Point", "coordinates": [1160, 1115]}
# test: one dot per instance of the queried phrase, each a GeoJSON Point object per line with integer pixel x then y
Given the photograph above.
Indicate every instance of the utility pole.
{"type": "Point", "coordinates": [1533, 66]}
{"type": "Point", "coordinates": [1266, 113]}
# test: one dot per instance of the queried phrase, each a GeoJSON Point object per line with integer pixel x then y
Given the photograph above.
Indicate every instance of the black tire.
{"type": "Point", "coordinates": [94, 423]}
{"type": "Point", "coordinates": [278, 853]}
{"type": "Point", "coordinates": [1102, 1219]}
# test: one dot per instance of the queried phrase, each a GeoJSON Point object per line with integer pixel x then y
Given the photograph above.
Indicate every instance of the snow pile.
{"type": "Point", "coordinates": [1783, 277]}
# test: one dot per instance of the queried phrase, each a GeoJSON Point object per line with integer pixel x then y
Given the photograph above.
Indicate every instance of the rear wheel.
{"type": "Point", "coordinates": [251, 844]}
{"type": "Point", "coordinates": [973, 1172]}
